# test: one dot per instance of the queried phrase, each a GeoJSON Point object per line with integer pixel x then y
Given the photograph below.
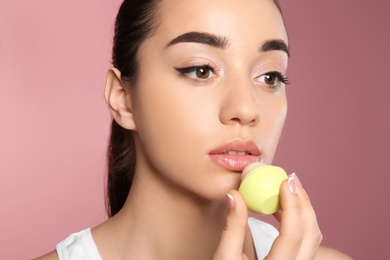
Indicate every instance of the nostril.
{"type": "Point", "coordinates": [236, 119]}
{"type": "Point", "coordinates": [245, 120]}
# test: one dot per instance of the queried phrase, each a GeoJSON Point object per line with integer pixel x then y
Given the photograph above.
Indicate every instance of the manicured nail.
{"type": "Point", "coordinates": [292, 185]}
{"type": "Point", "coordinates": [297, 181]}
{"type": "Point", "coordinates": [230, 201]}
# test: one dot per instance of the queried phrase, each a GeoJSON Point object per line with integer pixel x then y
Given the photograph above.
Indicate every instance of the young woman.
{"type": "Point", "coordinates": [196, 92]}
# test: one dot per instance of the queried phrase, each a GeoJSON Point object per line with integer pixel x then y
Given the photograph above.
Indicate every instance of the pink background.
{"type": "Point", "coordinates": [54, 122]}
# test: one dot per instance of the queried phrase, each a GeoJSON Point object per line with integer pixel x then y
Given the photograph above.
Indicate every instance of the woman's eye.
{"type": "Point", "coordinates": [203, 72]}
{"type": "Point", "coordinates": [269, 79]}
{"type": "Point", "coordinates": [273, 79]}
{"type": "Point", "coordinates": [197, 72]}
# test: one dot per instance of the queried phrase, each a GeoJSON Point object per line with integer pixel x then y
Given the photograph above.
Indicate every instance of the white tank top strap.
{"type": "Point", "coordinates": [78, 246]}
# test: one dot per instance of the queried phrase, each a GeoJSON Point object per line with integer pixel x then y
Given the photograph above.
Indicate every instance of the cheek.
{"type": "Point", "coordinates": [272, 120]}
{"type": "Point", "coordinates": [175, 128]}
{"type": "Point", "coordinates": [278, 114]}
{"type": "Point", "coordinates": [171, 121]}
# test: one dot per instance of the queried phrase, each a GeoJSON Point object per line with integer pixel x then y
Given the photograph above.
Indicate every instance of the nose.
{"type": "Point", "coordinates": [239, 104]}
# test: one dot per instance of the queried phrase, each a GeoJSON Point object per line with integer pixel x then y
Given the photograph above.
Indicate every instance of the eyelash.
{"type": "Point", "coordinates": [281, 79]}
{"type": "Point", "coordinates": [183, 72]}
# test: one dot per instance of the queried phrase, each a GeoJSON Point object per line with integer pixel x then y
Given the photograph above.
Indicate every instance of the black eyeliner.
{"type": "Point", "coordinates": [186, 70]}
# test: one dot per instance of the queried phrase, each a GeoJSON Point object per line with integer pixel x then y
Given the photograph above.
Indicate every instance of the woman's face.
{"type": "Point", "coordinates": [210, 97]}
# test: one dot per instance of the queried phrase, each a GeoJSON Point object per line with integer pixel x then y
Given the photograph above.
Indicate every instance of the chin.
{"type": "Point", "coordinates": [221, 188]}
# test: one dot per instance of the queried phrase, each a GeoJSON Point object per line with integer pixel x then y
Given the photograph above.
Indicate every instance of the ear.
{"type": "Point", "coordinates": [117, 95]}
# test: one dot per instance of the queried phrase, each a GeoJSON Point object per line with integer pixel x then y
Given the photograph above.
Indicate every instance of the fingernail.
{"type": "Point", "coordinates": [292, 185]}
{"type": "Point", "coordinates": [297, 181]}
{"type": "Point", "coordinates": [230, 201]}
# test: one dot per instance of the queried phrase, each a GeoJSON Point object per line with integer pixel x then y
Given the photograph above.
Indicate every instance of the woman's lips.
{"type": "Point", "coordinates": [236, 155]}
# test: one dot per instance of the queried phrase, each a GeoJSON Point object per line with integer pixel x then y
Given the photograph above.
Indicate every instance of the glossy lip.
{"type": "Point", "coordinates": [236, 162]}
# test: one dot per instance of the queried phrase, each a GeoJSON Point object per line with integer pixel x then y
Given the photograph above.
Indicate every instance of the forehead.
{"type": "Point", "coordinates": [244, 20]}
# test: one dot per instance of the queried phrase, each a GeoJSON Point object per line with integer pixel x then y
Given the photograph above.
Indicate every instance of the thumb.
{"type": "Point", "coordinates": [233, 234]}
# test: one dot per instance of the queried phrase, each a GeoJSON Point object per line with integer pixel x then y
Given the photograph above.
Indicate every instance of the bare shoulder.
{"type": "Point", "coordinates": [50, 256]}
{"type": "Point", "coordinates": [324, 253]}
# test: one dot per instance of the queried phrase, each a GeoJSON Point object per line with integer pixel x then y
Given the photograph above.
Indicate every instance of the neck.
{"type": "Point", "coordinates": [167, 222]}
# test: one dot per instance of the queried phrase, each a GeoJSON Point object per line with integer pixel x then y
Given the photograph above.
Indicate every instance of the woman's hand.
{"type": "Point", "coordinates": [299, 237]}
{"type": "Point", "coordinates": [232, 238]}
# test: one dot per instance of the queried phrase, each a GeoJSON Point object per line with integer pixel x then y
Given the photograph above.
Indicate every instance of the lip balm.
{"type": "Point", "coordinates": [260, 186]}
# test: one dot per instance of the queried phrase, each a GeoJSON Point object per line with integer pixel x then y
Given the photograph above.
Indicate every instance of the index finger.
{"type": "Point", "coordinates": [287, 245]}
{"type": "Point", "coordinates": [233, 234]}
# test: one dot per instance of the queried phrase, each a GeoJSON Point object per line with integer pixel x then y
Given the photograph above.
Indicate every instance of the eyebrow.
{"type": "Point", "coordinates": [222, 42]}
{"type": "Point", "coordinates": [275, 45]}
{"type": "Point", "coordinates": [204, 38]}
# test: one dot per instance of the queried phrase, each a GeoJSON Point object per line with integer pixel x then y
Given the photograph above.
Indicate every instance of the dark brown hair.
{"type": "Point", "coordinates": [136, 20]}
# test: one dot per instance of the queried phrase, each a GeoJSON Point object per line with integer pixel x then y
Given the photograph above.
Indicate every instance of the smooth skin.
{"type": "Point", "coordinates": [177, 208]}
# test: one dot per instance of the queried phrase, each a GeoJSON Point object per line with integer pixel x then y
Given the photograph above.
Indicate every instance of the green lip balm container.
{"type": "Point", "coordinates": [260, 187]}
